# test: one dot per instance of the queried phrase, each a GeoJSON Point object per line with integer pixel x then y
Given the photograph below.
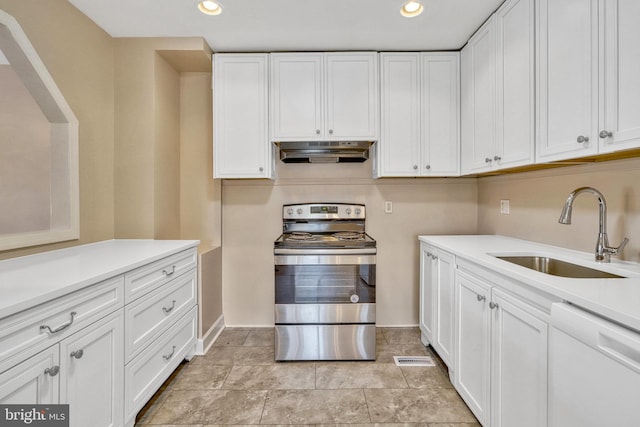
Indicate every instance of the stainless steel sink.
{"type": "Point", "coordinates": [557, 267]}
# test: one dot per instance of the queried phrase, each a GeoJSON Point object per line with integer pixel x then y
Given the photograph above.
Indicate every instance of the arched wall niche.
{"type": "Point", "coordinates": [38, 148]}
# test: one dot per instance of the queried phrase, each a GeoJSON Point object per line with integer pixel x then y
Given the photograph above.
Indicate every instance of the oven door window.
{"type": "Point", "coordinates": [329, 284]}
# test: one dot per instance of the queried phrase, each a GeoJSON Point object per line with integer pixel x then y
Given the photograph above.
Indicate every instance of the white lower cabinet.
{"type": "Point", "coordinates": [76, 350]}
{"type": "Point", "coordinates": [501, 355]}
{"type": "Point", "coordinates": [92, 370]}
{"type": "Point", "coordinates": [33, 380]}
{"type": "Point", "coordinates": [437, 272]}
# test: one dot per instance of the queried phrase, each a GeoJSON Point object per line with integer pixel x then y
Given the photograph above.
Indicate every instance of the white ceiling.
{"type": "Point", "coordinates": [296, 25]}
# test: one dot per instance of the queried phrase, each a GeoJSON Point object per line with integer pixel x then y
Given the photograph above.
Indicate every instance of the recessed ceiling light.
{"type": "Point", "coordinates": [210, 7]}
{"type": "Point", "coordinates": [411, 8]}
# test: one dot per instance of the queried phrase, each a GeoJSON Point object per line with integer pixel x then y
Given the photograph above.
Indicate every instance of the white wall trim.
{"type": "Point", "coordinates": [204, 344]}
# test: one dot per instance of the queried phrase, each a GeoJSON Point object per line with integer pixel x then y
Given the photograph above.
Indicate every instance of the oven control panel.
{"type": "Point", "coordinates": [323, 211]}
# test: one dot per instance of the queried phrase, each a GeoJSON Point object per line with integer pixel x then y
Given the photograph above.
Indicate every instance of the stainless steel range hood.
{"type": "Point", "coordinates": [324, 151]}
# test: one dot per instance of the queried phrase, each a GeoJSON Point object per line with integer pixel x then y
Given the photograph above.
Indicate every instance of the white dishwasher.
{"type": "Point", "coordinates": [594, 371]}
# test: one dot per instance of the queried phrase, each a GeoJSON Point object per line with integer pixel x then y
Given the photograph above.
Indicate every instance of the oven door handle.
{"type": "Point", "coordinates": [308, 259]}
{"type": "Point", "coordinates": [352, 251]}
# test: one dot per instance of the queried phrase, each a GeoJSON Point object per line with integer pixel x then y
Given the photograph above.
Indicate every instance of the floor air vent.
{"type": "Point", "coordinates": [413, 361]}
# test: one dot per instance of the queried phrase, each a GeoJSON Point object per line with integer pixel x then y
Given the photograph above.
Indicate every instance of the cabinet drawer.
{"type": "Point", "coordinates": [33, 330]}
{"type": "Point", "coordinates": [149, 277]}
{"type": "Point", "coordinates": [148, 317]}
{"type": "Point", "coordinates": [146, 373]}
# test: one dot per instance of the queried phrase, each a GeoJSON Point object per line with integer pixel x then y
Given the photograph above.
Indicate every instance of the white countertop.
{"type": "Point", "coordinates": [34, 279]}
{"type": "Point", "coordinates": [616, 299]}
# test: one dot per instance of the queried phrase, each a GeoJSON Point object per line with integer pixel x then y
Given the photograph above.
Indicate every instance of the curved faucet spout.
{"type": "Point", "coordinates": [603, 250]}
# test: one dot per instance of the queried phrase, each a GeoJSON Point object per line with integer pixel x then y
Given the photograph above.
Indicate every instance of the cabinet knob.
{"type": "Point", "coordinates": [481, 297]}
{"type": "Point", "coordinates": [415, 167]}
{"type": "Point", "coordinates": [317, 131]}
{"type": "Point", "coordinates": [330, 131]}
{"type": "Point", "coordinates": [488, 160]}
{"type": "Point", "coordinates": [428, 167]}
{"type": "Point", "coordinates": [582, 139]}
{"type": "Point", "coordinates": [604, 134]}
{"type": "Point", "coordinates": [52, 371]}
{"type": "Point", "coordinates": [493, 305]}
{"type": "Point", "coordinates": [77, 354]}
{"type": "Point", "coordinates": [497, 158]}
{"type": "Point", "coordinates": [261, 169]}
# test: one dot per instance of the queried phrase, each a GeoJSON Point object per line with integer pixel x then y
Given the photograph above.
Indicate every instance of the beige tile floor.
{"type": "Point", "coordinates": [237, 382]}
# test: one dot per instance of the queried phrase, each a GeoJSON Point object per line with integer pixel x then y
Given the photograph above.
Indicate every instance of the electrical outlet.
{"type": "Point", "coordinates": [388, 207]}
{"type": "Point", "coordinates": [504, 206]}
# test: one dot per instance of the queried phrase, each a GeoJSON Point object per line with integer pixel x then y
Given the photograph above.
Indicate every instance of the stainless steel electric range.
{"type": "Point", "coordinates": [325, 284]}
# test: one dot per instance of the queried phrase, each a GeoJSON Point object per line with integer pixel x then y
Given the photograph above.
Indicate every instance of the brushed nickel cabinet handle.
{"type": "Point", "coordinates": [77, 354]}
{"type": "Point", "coordinates": [170, 355]}
{"type": "Point", "coordinates": [169, 273]}
{"type": "Point", "coordinates": [60, 328]}
{"type": "Point", "coordinates": [170, 309]}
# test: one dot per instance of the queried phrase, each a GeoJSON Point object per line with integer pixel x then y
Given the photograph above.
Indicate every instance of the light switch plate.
{"type": "Point", "coordinates": [388, 207]}
{"type": "Point", "coordinates": [504, 206]}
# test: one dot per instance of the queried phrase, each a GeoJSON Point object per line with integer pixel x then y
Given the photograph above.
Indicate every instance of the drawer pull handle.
{"type": "Point", "coordinates": [60, 328]}
{"type": "Point", "coordinates": [52, 371]}
{"type": "Point", "coordinates": [77, 354]}
{"type": "Point", "coordinates": [481, 297]}
{"type": "Point", "coordinates": [171, 355]}
{"type": "Point", "coordinates": [170, 309]}
{"type": "Point", "coordinates": [169, 273]}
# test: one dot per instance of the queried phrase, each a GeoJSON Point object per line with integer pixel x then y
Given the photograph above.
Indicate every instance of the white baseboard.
{"type": "Point", "coordinates": [204, 344]}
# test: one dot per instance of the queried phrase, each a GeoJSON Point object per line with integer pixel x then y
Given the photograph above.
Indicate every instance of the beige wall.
{"type": "Point", "coordinates": [252, 219]}
{"type": "Point", "coordinates": [79, 56]}
{"type": "Point", "coordinates": [537, 199]}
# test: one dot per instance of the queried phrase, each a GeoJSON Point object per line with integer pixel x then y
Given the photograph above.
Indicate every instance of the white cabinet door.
{"type": "Point", "coordinates": [472, 367]}
{"type": "Point", "coordinates": [440, 112]}
{"type": "Point", "coordinates": [240, 115]}
{"type": "Point", "coordinates": [92, 366]}
{"type": "Point", "coordinates": [621, 63]}
{"type": "Point", "coordinates": [515, 94]}
{"type": "Point", "coordinates": [478, 86]}
{"type": "Point", "coordinates": [296, 96]}
{"type": "Point", "coordinates": [398, 151]}
{"type": "Point", "coordinates": [519, 364]}
{"type": "Point", "coordinates": [427, 305]}
{"type": "Point", "coordinates": [444, 289]}
{"type": "Point", "coordinates": [567, 89]}
{"type": "Point", "coordinates": [352, 96]}
{"type": "Point", "coordinates": [34, 381]}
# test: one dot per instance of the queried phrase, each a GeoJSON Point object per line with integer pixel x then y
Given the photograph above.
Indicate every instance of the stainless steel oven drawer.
{"type": "Point", "coordinates": [325, 313]}
{"type": "Point", "coordinates": [325, 342]}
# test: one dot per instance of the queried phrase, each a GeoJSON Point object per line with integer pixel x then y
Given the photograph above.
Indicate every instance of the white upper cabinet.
{"type": "Point", "coordinates": [419, 115]}
{"type": "Point", "coordinates": [567, 79]}
{"type": "Point", "coordinates": [324, 96]}
{"type": "Point", "coordinates": [440, 113]}
{"type": "Point", "coordinates": [398, 151]}
{"type": "Point", "coordinates": [240, 115]}
{"type": "Point", "coordinates": [620, 117]}
{"type": "Point", "coordinates": [497, 101]}
{"type": "Point", "coordinates": [352, 102]}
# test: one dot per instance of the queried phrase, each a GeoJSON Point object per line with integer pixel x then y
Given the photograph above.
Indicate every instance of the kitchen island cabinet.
{"type": "Point", "coordinates": [64, 335]}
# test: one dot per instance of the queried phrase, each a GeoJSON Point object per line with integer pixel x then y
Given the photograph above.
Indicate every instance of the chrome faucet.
{"type": "Point", "coordinates": [603, 250]}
